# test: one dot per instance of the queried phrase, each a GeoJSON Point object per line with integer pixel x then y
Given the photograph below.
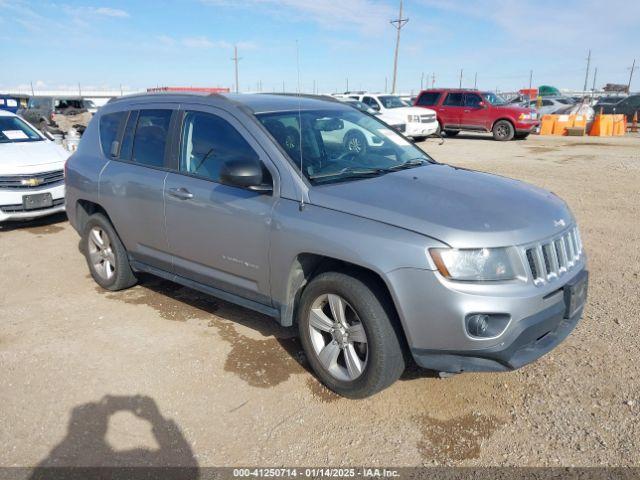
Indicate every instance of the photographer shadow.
{"type": "Point", "coordinates": [85, 452]}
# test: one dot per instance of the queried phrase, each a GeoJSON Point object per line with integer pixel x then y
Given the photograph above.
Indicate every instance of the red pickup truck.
{"type": "Point", "coordinates": [473, 110]}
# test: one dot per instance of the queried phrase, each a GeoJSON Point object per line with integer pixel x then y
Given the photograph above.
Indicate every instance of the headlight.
{"type": "Point", "coordinates": [413, 118]}
{"type": "Point", "coordinates": [484, 264]}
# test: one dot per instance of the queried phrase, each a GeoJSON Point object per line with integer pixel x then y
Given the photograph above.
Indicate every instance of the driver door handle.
{"type": "Point", "coordinates": [181, 193]}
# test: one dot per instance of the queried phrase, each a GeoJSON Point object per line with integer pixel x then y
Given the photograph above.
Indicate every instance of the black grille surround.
{"type": "Point", "coordinates": [32, 180]}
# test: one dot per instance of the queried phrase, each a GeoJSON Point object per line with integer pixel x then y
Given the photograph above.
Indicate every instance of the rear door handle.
{"type": "Point", "coordinates": [181, 193]}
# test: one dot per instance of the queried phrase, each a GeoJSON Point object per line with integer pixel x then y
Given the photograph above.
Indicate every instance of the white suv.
{"type": "Point", "coordinates": [420, 122]}
{"type": "Point", "coordinates": [31, 171]}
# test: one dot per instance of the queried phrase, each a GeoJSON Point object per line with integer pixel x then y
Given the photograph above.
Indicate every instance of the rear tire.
{"type": "Point", "coordinates": [503, 131]}
{"type": "Point", "coordinates": [367, 316]}
{"type": "Point", "coordinates": [106, 256]}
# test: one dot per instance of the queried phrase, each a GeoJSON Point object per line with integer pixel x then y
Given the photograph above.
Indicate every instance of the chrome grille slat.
{"type": "Point", "coordinates": [44, 178]}
{"type": "Point", "coordinates": [550, 259]}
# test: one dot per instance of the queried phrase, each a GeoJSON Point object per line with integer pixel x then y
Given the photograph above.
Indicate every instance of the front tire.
{"type": "Point", "coordinates": [521, 136]}
{"type": "Point", "coordinates": [106, 256]}
{"type": "Point", "coordinates": [346, 330]}
{"type": "Point", "coordinates": [503, 131]}
{"type": "Point", "coordinates": [451, 133]}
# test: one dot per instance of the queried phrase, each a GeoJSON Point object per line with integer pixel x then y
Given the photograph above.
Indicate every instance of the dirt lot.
{"type": "Point", "coordinates": [160, 373]}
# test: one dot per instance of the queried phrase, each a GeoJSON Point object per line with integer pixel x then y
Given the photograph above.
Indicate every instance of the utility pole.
{"type": "Point", "coordinates": [460, 78]}
{"type": "Point", "coordinates": [586, 76]}
{"type": "Point", "coordinates": [422, 81]}
{"type": "Point", "coordinates": [385, 84]}
{"type": "Point", "coordinates": [530, 82]}
{"type": "Point", "coordinates": [397, 24]}
{"type": "Point", "coordinates": [32, 92]}
{"type": "Point", "coordinates": [347, 79]}
{"type": "Point", "coordinates": [633, 67]}
{"type": "Point", "coordinates": [475, 81]}
{"type": "Point", "coordinates": [433, 80]}
{"type": "Point", "coordinates": [282, 86]}
{"type": "Point", "coordinates": [236, 59]}
{"type": "Point", "coordinates": [595, 75]}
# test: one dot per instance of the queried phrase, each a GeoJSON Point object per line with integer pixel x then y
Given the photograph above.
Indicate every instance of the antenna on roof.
{"type": "Point", "coordinates": [299, 119]}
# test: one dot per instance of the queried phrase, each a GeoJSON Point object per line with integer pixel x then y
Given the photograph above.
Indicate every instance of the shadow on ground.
{"type": "Point", "coordinates": [85, 452]}
{"type": "Point", "coordinates": [37, 226]}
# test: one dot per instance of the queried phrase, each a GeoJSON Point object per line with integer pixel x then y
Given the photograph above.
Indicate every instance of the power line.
{"type": "Point", "coordinates": [397, 24]}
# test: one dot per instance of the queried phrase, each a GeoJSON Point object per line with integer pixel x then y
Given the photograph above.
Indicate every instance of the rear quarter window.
{"type": "Point", "coordinates": [109, 128]}
{"type": "Point", "coordinates": [428, 99]}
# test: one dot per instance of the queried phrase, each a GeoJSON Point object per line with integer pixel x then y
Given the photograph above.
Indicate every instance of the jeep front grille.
{"type": "Point", "coordinates": [32, 180]}
{"type": "Point", "coordinates": [554, 257]}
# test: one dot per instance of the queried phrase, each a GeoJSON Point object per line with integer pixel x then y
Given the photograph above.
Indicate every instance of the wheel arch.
{"type": "Point", "coordinates": [307, 266]}
{"type": "Point", "coordinates": [84, 209]}
{"type": "Point", "coordinates": [510, 120]}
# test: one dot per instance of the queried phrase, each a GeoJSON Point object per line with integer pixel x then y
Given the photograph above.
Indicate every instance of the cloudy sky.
{"type": "Point", "coordinates": [142, 44]}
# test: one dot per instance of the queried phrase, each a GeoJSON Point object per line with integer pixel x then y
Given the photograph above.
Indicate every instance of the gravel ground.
{"type": "Point", "coordinates": [160, 374]}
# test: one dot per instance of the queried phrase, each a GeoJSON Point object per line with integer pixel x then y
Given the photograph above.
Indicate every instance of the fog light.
{"type": "Point", "coordinates": [484, 325]}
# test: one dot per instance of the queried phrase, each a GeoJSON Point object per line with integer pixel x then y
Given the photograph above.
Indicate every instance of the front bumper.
{"type": "Point", "coordinates": [526, 126]}
{"type": "Point", "coordinates": [416, 129]}
{"type": "Point", "coordinates": [11, 205]}
{"type": "Point", "coordinates": [434, 322]}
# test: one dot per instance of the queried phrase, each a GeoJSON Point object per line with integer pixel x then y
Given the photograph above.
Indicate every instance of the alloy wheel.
{"type": "Point", "coordinates": [338, 337]}
{"type": "Point", "coordinates": [101, 254]}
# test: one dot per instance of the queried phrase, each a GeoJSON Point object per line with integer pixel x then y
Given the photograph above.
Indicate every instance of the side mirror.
{"type": "Point", "coordinates": [375, 106]}
{"type": "Point", "coordinates": [482, 105]}
{"type": "Point", "coordinates": [244, 173]}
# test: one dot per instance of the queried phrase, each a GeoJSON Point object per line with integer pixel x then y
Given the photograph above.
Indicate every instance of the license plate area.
{"type": "Point", "coordinates": [37, 201]}
{"type": "Point", "coordinates": [575, 294]}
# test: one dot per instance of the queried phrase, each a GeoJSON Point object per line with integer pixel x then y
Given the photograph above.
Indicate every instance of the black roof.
{"type": "Point", "coordinates": [257, 103]}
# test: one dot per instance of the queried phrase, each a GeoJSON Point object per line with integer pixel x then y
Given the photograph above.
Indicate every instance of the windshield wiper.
{"type": "Point", "coordinates": [414, 162]}
{"type": "Point", "coordinates": [349, 172]}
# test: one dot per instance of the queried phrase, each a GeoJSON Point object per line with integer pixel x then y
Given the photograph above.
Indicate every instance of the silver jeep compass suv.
{"type": "Point", "coordinates": [377, 254]}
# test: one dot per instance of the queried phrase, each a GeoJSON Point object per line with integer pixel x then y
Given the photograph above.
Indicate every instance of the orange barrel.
{"type": "Point", "coordinates": [546, 124]}
{"type": "Point", "coordinates": [561, 124]}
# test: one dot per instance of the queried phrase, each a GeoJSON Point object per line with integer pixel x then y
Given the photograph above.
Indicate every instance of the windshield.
{"type": "Point", "coordinates": [363, 107]}
{"type": "Point", "coordinates": [15, 130]}
{"type": "Point", "coordinates": [341, 144]}
{"type": "Point", "coordinates": [494, 99]}
{"type": "Point", "coordinates": [389, 101]}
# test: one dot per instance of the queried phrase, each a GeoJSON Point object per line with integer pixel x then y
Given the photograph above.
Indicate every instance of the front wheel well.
{"type": "Point", "coordinates": [506, 119]}
{"type": "Point", "coordinates": [307, 266]}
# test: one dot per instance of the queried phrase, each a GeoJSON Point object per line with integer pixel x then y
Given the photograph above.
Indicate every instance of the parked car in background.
{"type": "Point", "coordinates": [608, 100]}
{"type": "Point", "coordinates": [392, 121]}
{"type": "Point", "coordinates": [375, 256]}
{"type": "Point", "coordinates": [629, 106]}
{"type": "Point", "coordinates": [551, 105]}
{"type": "Point", "coordinates": [9, 103]}
{"type": "Point", "coordinates": [31, 171]}
{"type": "Point", "coordinates": [473, 110]}
{"type": "Point", "coordinates": [420, 123]}
{"type": "Point", "coordinates": [57, 112]}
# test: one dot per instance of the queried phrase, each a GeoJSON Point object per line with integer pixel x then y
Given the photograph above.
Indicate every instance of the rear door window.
{"type": "Point", "coordinates": [453, 100]}
{"type": "Point", "coordinates": [150, 139]}
{"type": "Point", "coordinates": [109, 128]}
{"type": "Point", "coordinates": [428, 99]}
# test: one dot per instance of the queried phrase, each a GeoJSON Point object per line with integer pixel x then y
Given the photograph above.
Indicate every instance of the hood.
{"type": "Point", "coordinates": [402, 112]}
{"type": "Point", "coordinates": [517, 109]}
{"type": "Point", "coordinates": [463, 208]}
{"type": "Point", "coordinates": [31, 157]}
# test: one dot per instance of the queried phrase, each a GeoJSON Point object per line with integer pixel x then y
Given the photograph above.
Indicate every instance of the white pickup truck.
{"type": "Point", "coordinates": [420, 122]}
